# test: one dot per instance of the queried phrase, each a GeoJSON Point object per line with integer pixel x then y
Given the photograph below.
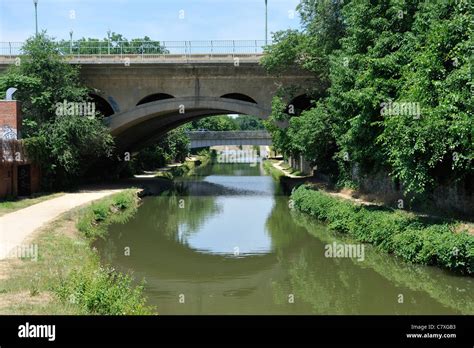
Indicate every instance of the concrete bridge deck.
{"type": "Point", "coordinates": [131, 59]}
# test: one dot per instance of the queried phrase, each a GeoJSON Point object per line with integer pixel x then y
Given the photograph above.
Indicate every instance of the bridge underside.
{"type": "Point", "coordinates": [146, 123]}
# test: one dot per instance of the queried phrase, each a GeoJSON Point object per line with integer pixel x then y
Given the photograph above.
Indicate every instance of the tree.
{"type": "Point", "coordinates": [276, 125]}
{"type": "Point", "coordinates": [214, 123]}
{"type": "Point", "coordinates": [68, 148]}
{"type": "Point", "coordinates": [437, 146]}
{"type": "Point", "coordinates": [245, 122]}
{"type": "Point", "coordinates": [310, 135]}
{"type": "Point", "coordinates": [173, 147]}
{"type": "Point", "coordinates": [397, 96]}
{"type": "Point", "coordinates": [114, 44]}
{"type": "Point", "coordinates": [43, 79]}
{"type": "Point", "coordinates": [65, 146]}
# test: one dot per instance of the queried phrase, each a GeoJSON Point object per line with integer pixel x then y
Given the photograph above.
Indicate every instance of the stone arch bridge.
{"type": "Point", "coordinates": [144, 101]}
{"type": "Point", "coordinates": [143, 97]}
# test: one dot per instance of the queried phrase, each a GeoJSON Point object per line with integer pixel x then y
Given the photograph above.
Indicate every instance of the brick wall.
{"type": "Point", "coordinates": [10, 118]}
{"type": "Point", "coordinates": [10, 131]}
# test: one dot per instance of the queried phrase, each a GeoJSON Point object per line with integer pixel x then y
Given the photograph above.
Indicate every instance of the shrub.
{"type": "Point", "coordinates": [103, 291]}
{"type": "Point", "coordinates": [94, 220]}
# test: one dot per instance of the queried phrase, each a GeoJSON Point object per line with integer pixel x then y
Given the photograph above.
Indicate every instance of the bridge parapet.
{"type": "Point", "coordinates": [151, 59]}
{"type": "Point", "coordinates": [81, 52]}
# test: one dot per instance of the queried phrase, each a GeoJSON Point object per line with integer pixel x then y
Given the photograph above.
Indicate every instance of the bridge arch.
{"type": "Point", "coordinates": [154, 97]}
{"type": "Point", "coordinates": [239, 96]}
{"type": "Point", "coordinates": [145, 123]}
{"type": "Point", "coordinates": [299, 104]}
{"type": "Point", "coordinates": [101, 105]}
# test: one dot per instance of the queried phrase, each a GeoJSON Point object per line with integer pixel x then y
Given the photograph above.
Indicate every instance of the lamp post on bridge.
{"type": "Point", "coordinates": [70, 41]}
{"type": "Point", "coordinates": [108, 41]}
{"type": "Point", "coordinates": [266, 22]}
{"type": "Point", "coordinates": [36, 15]}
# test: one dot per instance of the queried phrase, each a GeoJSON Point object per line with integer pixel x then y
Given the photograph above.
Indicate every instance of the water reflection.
{"type": "Point", "coordinates": [184, 243]}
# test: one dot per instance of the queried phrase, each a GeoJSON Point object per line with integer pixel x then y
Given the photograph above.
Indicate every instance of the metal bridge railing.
{"type": "Point", "coordinates": [98, 49]}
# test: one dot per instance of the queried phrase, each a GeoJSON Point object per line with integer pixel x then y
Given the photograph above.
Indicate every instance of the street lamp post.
{"type": "Point", "coordinates": [36, 15]}
{"type": "Point", "coordinates": [70, 41]}
{"type": "Point", "coordinates": [108, 41]}
{"type": "Point", "coordinates": [266, 22]}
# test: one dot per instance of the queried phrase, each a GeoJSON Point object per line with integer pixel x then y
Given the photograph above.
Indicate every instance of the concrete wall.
{"type": "Point", "coordinates": [300, 164]}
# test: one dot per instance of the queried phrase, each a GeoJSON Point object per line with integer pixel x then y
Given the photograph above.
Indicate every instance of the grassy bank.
{"type": "Point", "coordinates": [270, 169]}
{"type": "Point", "coordinates": [412, 238]}
{"type": "Point", "coordinates": [187, 167]}
{"type": "Point", "coordinates": [67, 277]}
{"type": "Point", "coordinates": [10, 206]}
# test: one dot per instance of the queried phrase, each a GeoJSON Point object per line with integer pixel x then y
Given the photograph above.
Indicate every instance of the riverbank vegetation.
{"type": "Point", "coordinates": [269, 167]}
{"type": "Point", "coordinates": [67, 277]}
{"type": "Point", "coordinates": [226, 123]}
{"type": "Point", "coordinates": [413, 238]}
{"type": "Point", "coordinates": [187, 167]}
{"type": "Point", "coordinates": [393, 92]}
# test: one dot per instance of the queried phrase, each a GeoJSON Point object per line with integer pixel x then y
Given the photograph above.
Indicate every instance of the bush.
{"type": "Point", "coordinates": [94, 220]}
{"type": "Point", "coordinates": [392, 231]}
{"type": "Point", "coordinates": [99, 290]}
{"type": "Point", "coordinates": [103, 291]}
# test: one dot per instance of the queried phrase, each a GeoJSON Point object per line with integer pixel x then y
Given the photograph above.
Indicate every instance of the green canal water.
{"type": "Point", "coordinates": [224, 241]}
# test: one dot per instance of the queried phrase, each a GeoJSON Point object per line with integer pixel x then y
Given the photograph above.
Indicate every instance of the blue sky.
{"type": "Point", "coordinates": [158, 19]}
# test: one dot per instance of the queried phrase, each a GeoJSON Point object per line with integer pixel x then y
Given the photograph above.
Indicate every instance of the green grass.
{"type": "Point", "coordinates": [117, 208]}
{"type": "Point", "coordinates": [10, 206]}
{"type": "Point", "coordinates": [68, 277]}
{"type": "Point", "coordinates": [296, 172]}
{"type": "Point", "coordinates": [187, 168]}
{"type": "Point", "coordinates": [414, 239]}
{"type": "Point", "coordinates": [270, 169]}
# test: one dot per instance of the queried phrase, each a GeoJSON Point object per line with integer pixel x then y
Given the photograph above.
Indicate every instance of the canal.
{"type": "Point", "coordinates": [224, 241]}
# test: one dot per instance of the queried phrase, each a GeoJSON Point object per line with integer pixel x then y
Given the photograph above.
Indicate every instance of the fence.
{"type": "Point", "coordinates": [98, 49]}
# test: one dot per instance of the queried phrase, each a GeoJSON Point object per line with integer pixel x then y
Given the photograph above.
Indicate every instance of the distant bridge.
{"type": "Point", "coordinates": [212, 138]}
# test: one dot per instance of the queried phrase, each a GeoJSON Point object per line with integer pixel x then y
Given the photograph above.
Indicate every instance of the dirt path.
{"type": "Point", "coordinates": [285, 171]}
{"type": "Point", "coordinates": [16, 227]}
